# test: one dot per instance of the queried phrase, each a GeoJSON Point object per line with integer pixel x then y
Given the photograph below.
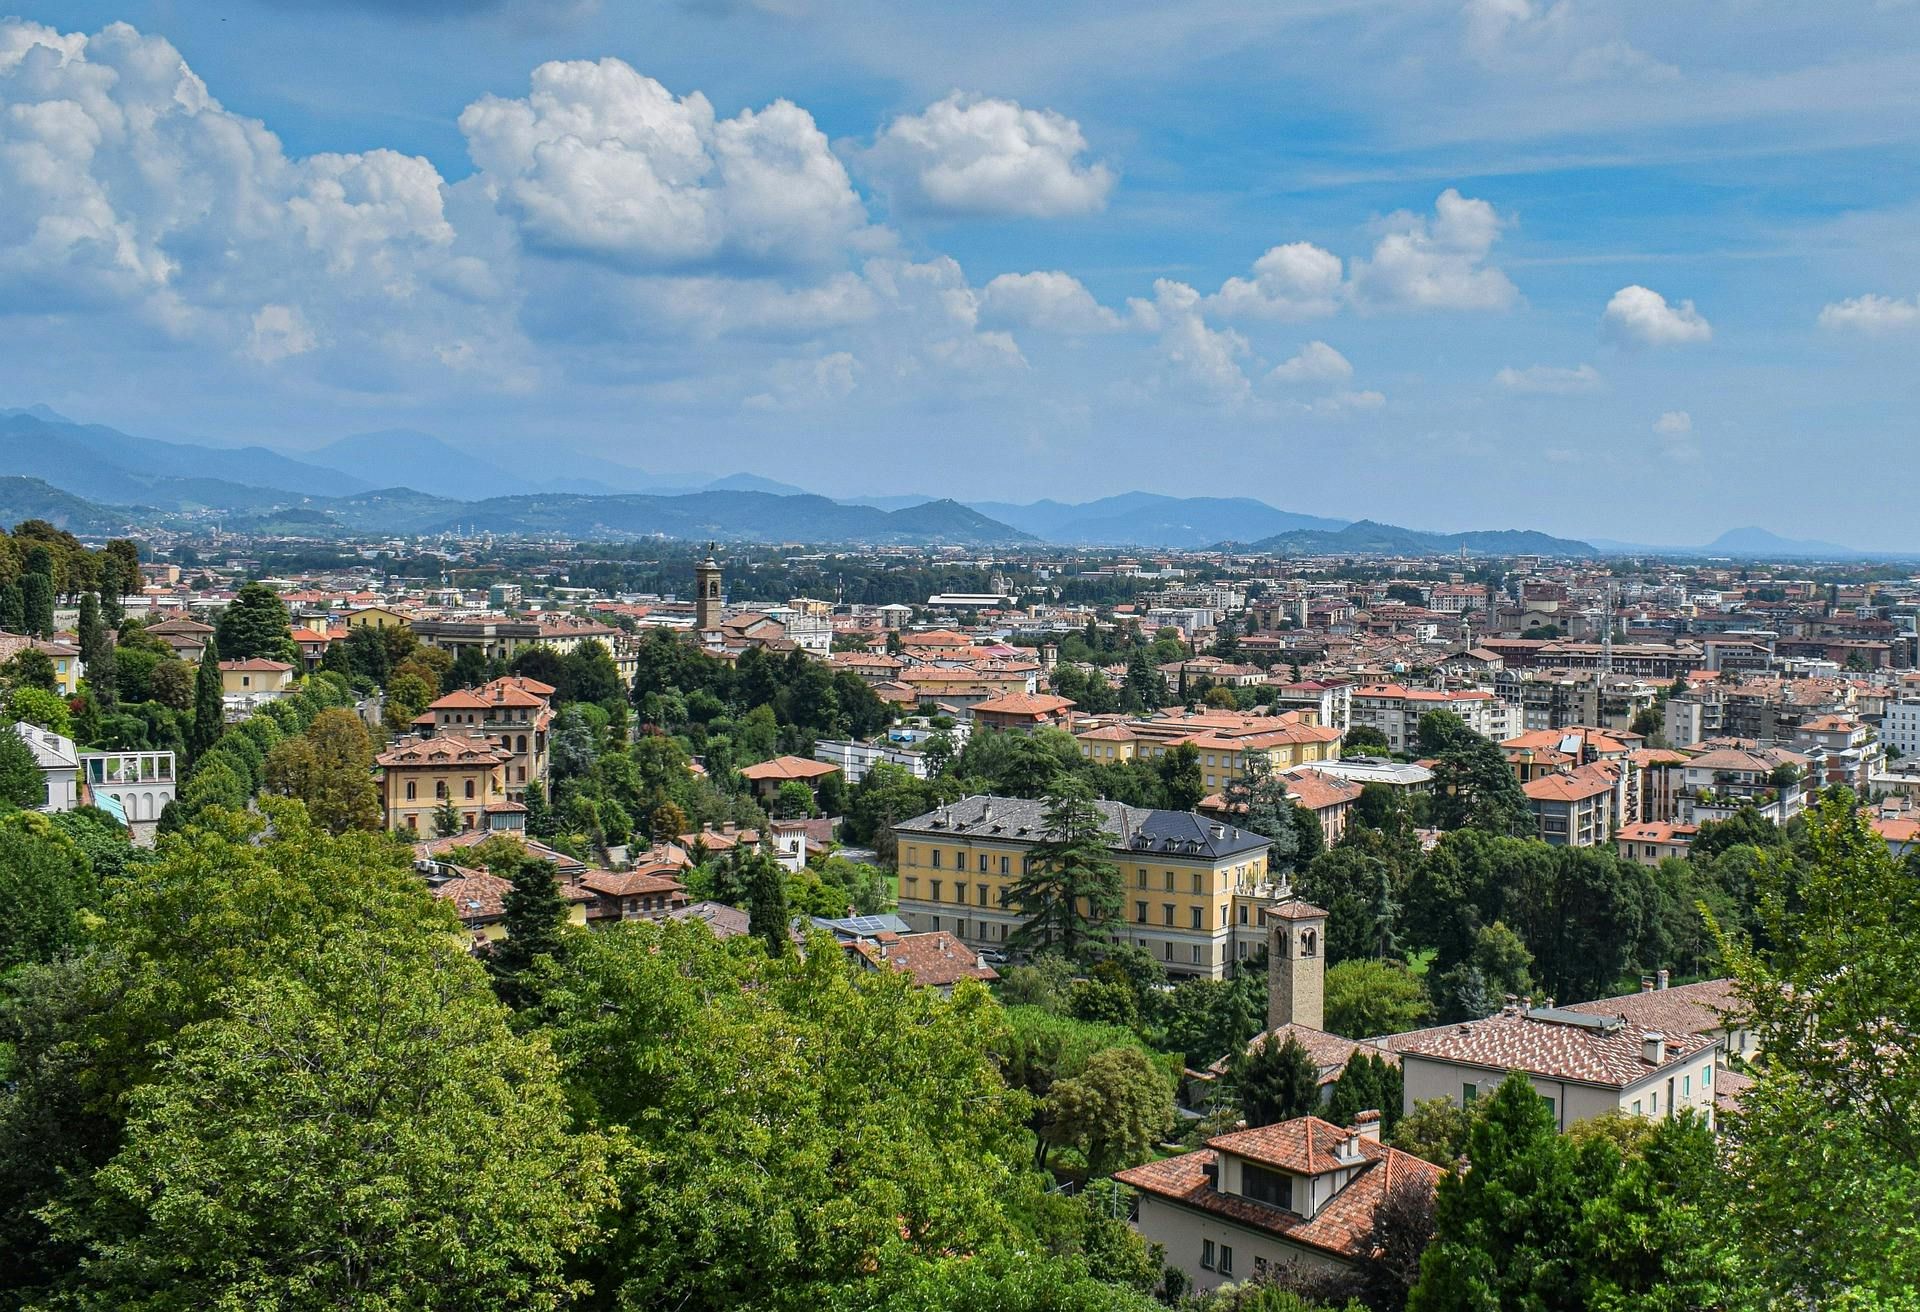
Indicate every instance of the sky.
{"type": "Point", "coordinates": [1631, 270]}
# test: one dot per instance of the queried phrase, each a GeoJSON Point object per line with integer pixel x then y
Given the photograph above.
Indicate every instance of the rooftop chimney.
{"type": "Point", "coordinates": [1660, 977]}
{"type": "Point", "coordinates": [1366, 1125]}
{"type": "Point", "coordinates": [1646, 983]}
{"type": "Point", "coordinates": [1348, 1149]}
{"type": "Point", "coordinates": [1653, 1048]}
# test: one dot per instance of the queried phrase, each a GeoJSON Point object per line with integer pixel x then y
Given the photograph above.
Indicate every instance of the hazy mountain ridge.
{"type": "Point", "coordinates": [1368, 538]}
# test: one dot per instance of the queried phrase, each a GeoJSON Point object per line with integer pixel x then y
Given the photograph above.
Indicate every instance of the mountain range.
{"type": "Point", "coordinates": [93, 478]}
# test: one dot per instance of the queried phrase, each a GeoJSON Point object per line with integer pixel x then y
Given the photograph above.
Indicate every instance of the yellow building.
{"type": "Point", "coordinates": [68, 669]}
{"type": "Point", "coordinates": [1193, 887]}
{"type": "Point", "coordinates": [419, 775]}
{"type": "Point", "coordinates": [377, 617]}
{"type": "Point", "coordinates": [1224, 740]}
{"type": "Point", "coordinates": [251, 678]}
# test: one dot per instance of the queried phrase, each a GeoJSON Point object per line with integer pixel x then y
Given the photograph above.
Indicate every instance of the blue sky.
{"type": "Point", "coordinates": [1616, 269]}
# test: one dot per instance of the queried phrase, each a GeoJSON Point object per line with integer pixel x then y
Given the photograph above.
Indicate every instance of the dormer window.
{"type": "Point", "coordinates": [1275, 1188]}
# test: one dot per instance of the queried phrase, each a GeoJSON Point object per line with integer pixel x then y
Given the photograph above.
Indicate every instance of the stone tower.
{"type": "Point", "coordinates": [1296, 971]}
{"type": "Point", "coordinates": [706, 592]}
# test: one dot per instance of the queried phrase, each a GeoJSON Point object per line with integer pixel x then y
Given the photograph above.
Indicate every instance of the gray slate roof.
{"type": "Point", "coordinates": [1132, 830]}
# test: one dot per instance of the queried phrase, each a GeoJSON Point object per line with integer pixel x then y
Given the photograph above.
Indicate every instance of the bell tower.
{"type": "Point", "coordinates": [706, 592]}
{"type": "Point", "coordinates": [1296, 966]}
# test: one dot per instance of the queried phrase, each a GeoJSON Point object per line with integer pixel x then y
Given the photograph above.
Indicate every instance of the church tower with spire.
{"type": "Point", "coordinates": [707, 602]}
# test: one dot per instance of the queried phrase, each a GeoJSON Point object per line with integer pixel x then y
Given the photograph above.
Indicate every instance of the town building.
{"type": "Point", "coordinates": [419, 775]}
{"type": "Point", "coordinates": [1298, 1194]}
{"type": "Point", "coordinates": [1194, 887]}
{"type": "Point", "coordinates": [515, 711]}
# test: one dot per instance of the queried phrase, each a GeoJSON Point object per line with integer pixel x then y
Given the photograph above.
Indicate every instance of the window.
{"type": "Point", "coordinates": [1166, 951]}
{"type": "Point", "coordinates": [469, 790]}
{"type": "Point", "coordinates": [981, 897]}
{"type": "Point", "coordinates": [412, 789]}
{"type": "Point", "coordinates": [440, 788]}
{"type": "Point", "coordinates": [936, 893]}
{"type": "Point", "coordinates": [1139, 913]}
{"type": "Point", "coordinates": [1141, 881]}
{"type": "Point", "coordinates": [1196, 882]}
{"type": "Point", "coordinates": [1638, 1109]}
{"type": "Point", "coordinates": [1169, 887]}
{"type": "Point", "coordinates": [913, 888]}
{"type": "Point", "coordinates": [1226, 1259]}
{"type": "Point", "coordinates": [1243, 913]}
{"type": "Point", "coordinates": [1553, 1110]}
{"type": "Point", "coordinates": [523, 742]}
{"type": "Point", "coordinates": [1199, 955]}
{"type": "Point", "coordinates": [1275, 1188]}
{"type": "Point", "coordinates": [1166, 913]}
{"type": "Point", "coordinates": [413, 822]}
{"type": "Point", "coordinates": [1197, 913]}
{"type": "Point", "coordinates": [1706, 1076]}
{"type": "Point", "coordinates": [1206, 1254]}
{"type": "Point", "coordinates": [936, 858]}
{"type": "Point", "coordinates": [959, 860]}
{"type": "Point", "coordinates": [1006, 866]}
{"type": "Point", "coordinates": [959, 892]}
{"type": "Point", "coordinates": [1686, 1086]}
{"type": "Point", "coordinates": [983, 863]}
{"type": "Point", "coordinates": [1468, 1092]}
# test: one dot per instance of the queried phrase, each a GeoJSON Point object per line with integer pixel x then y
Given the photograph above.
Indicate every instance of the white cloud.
{"type": "Point", "coordinates": [1566, 39]}
{"type": "Point", "coordinates": [1437, 263]}
{"type": "Point", "coordinates": [1550, 380]}
{"type": "Point", "coordinates": [1295, 281]}
{"type": "Point", "coordinates": [1674, 423]}
{"type": "Point", "coordinates": [802, 384]}
{"type": "Point", "coordinates": [1640, 314]}
{"type": "Point", "coordinates": [1871, 314]}
{"type": "Point", "coordinates": [1316, 363]}
{"type": "Point", "coordinates": [600, 160]}
{"type": "Point", "coordinates": [279, 331]}
{"type": "Point", "coordinates": [1050, 302]}
{"type": "Point", "coordinates": [1201, 360]}
{"type": "Point", "coordinates": [972, 156]}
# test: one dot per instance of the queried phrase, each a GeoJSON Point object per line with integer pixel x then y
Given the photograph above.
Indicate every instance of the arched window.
{"type": "Point", "coordinates": [523, 743]}
{"type": "Point", "coordinates": [1308, 943]}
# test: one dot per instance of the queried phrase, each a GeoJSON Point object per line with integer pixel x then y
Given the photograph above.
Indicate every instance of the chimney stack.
{"type": "Point", "coordinates": [1660, 977]}
{"type": "Point", "coordinates": [1646, 983]}
{"type": "Point", "coordinates": [1653, 1048]}
{"type": "Point", "coordinates": [1366, 1125]}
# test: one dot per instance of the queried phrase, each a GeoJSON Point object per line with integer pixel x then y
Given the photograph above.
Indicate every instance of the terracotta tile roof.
{"type": "Point", "coordinates": [444, 750]}
{"type": "Point", "coordinates": [1341, 1226]}
{"type": "Point", "coordinates": [1658, 833]}
{"type": "Point", "coordinates": [1511, 1040]}
{"type": "Point", "coordinates": [935, 959]}
{"type": "Point", "coordinates": [477, 896]}
{"type": "Point", "coordinates": [1021, 703]}
{"type": "Point", "coordinates": [788, 767]}
{"type": "Point", "coordinates": [1696, 1009]}
{"type": "Point", "coordinates": [633, 883]}
{"type": "Point", "coordinates": [257, 664]}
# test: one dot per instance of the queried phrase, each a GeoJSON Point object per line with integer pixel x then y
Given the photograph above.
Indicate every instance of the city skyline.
{"type": "Point", "coordinates": [1553, 267]}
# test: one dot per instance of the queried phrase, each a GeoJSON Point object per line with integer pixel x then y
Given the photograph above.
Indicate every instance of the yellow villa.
{"type": "Point", "coordinates": [419, 775]}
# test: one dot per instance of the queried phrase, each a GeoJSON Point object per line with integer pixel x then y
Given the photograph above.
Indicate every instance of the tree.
{"type": "Point", "coordinates": [31, 668]}
{"type": "Point", "coordinates": [447, 820]}
{"type": "Point", "coordinates": [407, 697]}
{"type": "Point", "coordinates": [209, 705]}
{"type": "Point", "coordinates": [46, 884]}
{"type": "Point", "coordinates": [535, 920]}
{"type": "Point", "coordinates": [374, 1095]}
{"type": "Point", "coordinates": [1259, 798]}
{"type": "Point", "coordinates": [37, 593]}
{"type": "Point", "coordinates": [1472, 783]}
{"type": "Point", "coordinates": [793, 801]}
{"type": "Point", "coordinates": [1367, 997]}
{"type": "Point", "coordinates": [1367, 1083]}
{"type": "Point", "coordinates": [768, 917]}
{"type": "Point", "coordinates": [1276, 1080]}
{"type": "Point", "coordinates": [172, 684]}
{"type": "Point", "coordinates": [255, 624]}
{"type": "Point", "coordinates": [1180, 776]}
{"type": "Point", "coordinates": [1114, 1111]}
{"type": "Point", "coordinates": [330, 769]}
{"type": "Point", "coordinates": [1507, 1231]}
{"type": "Point", "coordinates": [1498, 967]}
{"type": "Point", "coordinates": [1826, 1218]}
{"type": "Point", "coordinates": [21, 783]}
{"type": "Point", "coordinates": [1435, 1130]}
{"type": "Point", "coordinates": [1070, 892]}
{"type": "Point", "coordinates": [38, 706]}
{"type": "Point", "coordinates": [87, 630]}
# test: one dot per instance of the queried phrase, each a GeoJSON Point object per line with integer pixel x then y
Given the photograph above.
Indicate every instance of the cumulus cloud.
{"type": "Point", "coordinates": [1871, 314]}
{"type": "Point", "coordinates": [1674, 423]}
{"type": "Point", "coordinates": [600, 160]}
{"type": "Point", "coordinates": [1643, 316]}
{"type": "Point", "coordinates": [1295, 281]}
{"type": "Point", "coordinates": [1316, 363]}
{"type": "Point", "coordinates": [1049, 302]}
{"type": "Point", "coordinates": [279, 331]}
{"type": "Point", "coordinates": [1550, 380]}
{"type": "Point", "coordinates": [1566, 39]}
{"type": "Point", "coordinates": [971, 156]}
{"type": "Point", "coordinates": [1201, 361]}
{"type": "Point", "coordinates": [1437, 263]}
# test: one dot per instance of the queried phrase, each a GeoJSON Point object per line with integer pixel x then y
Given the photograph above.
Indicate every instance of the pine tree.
{"type": "Point", "coordinates": [1070, 892]}
{"type": "Point", "coordinates": [36, 590]}
{"type": "Point", "coordinates": [767, 912]}
{"type": "Point", "coordinates": [535, 920]}
{"type": "Point", "coordinates": [209, 707]}
{"type": "Point", "coordinates": [1276, 1081]}
{"type": "Point", "coordinates": [21, 783]}
{"type": "Point", "coordinates": [113, 590]}
{"type": "Point", "coordinates": [13, 607]}
{"type": "Point", "coordinates": [447, 820]}
{"type": "Point", "coordinates": [88, 629]}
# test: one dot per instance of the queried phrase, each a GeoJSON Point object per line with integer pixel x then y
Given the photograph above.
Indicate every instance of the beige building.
{"type": "Point", "coordinates": [1301, 1193]}
{"type": "Point", "coordinates": [1193, 888]}
{"type": "Point", "coordinates": [1584, 1065]}
{"type": "Point", "coordinates": [515, 711]}
{"type": "Point", "coordinates": [419, 775]}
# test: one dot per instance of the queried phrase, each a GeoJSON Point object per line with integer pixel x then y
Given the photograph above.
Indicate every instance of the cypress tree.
{"type": "Point", "coordinates": [209, 708]}
{"type": "Point", "coordinates": [535, 918]}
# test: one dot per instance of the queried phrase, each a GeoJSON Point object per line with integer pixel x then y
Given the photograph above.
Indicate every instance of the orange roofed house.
{"type": "Point", "coordinates": [1301, 1193]}
{"type": "Point", "coordinates": [419, 774]}
{"type": "Point", "coordinates": [515, 712]}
